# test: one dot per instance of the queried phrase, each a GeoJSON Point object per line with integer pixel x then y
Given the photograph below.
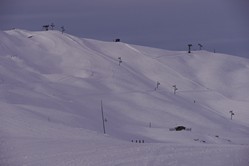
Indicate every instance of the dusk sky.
{"type": "Point", "coordinates": [222, 25]}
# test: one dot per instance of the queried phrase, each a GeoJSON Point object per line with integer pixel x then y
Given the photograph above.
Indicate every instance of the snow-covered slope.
{"type": "Point", "coordinates": [52, 85]}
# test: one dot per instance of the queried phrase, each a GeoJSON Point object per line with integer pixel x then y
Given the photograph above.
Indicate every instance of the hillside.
{"type": "Point", "coordinates": [52, 85]}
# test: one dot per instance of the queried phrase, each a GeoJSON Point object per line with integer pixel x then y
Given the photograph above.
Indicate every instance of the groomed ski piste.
{"type": "Point", "coordinates": [52, 85]}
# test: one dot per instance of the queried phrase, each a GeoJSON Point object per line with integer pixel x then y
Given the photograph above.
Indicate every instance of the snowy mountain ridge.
{"type": "Point", "coordinates": [52, 85]}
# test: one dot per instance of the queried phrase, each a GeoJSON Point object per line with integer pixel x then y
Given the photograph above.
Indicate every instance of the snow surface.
{"type": "Point", "coordinates": [52, 84]}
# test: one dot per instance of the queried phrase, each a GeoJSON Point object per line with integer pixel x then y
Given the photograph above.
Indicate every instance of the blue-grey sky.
{"type": "Point", "coordinates": [222, 25]}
